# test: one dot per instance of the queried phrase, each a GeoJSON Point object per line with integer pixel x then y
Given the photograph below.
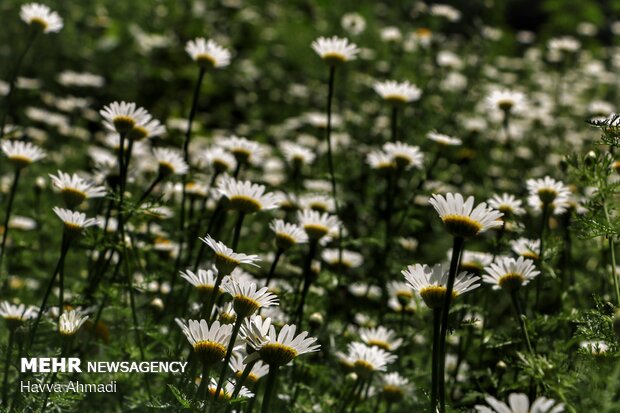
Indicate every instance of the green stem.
{"type": "Point", "coordinates": [546, 209]}
{"type": "Point", "coordinates": [229, 350]}
{"type": "Point", "coordinates": [7, 217]}
{"type": "Point", "coordinates": [612, 250]}
{"type": "Point", "coordinates": [312, 248]}
{"type": "Point", "coordinates": [237, 233]}
{"type": "Point", "coordinates": [239, 384]}
{"type": "Point", "coordinates": [7, 362]}
{"type": "Point", "coordinates": [274, 264]}
{"type": "Point", "coordinates": [60, 265]}
{"type": "Point", "coordinates": [457, 249]}
{"type": "Point", "coordinates": [435, 359]}
{"type": "Point", "coordinates": [514, 295]}
{"type": "Point", "coordinates": [204, 381]}
{"type": "Point", "coordinates": [394, 123]}
{"type": "Point", "coordinates": [270, 388]}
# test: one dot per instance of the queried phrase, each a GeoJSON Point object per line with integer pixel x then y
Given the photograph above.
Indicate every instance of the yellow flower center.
{"type": "Point", "coordinates": [381, 344]}
{"type": "Point", "coordinates": [363, 368]}
{"type": "Point", "coordinates": [316, 231]}
{"type": "Point", "coordinates": [225, 264]}
{"type": "Point", "coordinates": [244, 204]}
{"type": "Point", "coordinates": [123, 124]}
{"type": "Point", "coordinates": [39, 23]}
{"type": "Point", "coordinates": [245, 306]}
{"type": "Point", "coordinates": [138, 133]}
{"type": "Point", "coordinates": [205, 60]}
{"type": "Point", "coordinates": [434, 295]}
{"type": "Point", "coordinates": [73, 197]}
{"type": "Point", "coordinates": [284, 241]}
{"type": "Point", "coordinates": [20, 161]}
{"type": "Point", "coordinates": [210, 352]}
{"type": "Point", "coordinates": [334, 57]}
{"type": "Point", "coordinates": [393, 393]}
{"type": "Point", "coordinates": [461, 225]}
{"type": "Point", "coordinates": [511, 281]}
{"type": "Point", "coordinates": [277, 354]}
{"type": "Point", "coordinates": [547, 195]}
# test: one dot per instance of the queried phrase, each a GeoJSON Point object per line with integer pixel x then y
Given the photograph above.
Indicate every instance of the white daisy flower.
{"type": "Point", "coordinates": [70, 322]}
{"type": "Point", "coordinates": [397, 92]}
{"type": "Point", "coordinates": [395, 387]}
{"type": "Point", "coordinates": [209, 342]}
{"type": "Point", "coordinates": [520, 403]}
{"type": "Point", "coordinates": [403, 155]}
{"type": "Point", "coordinates": [74, 221]}
{"type": "Point", "coordinates": [15, 314]}
{"type": "Point", "coordinates": [380, 160]}
{"type": "Point", "coordinates": [248, 298]}
{"type": "Point", "coordinates": [506, 204]}
{"type": "Point", "coordinates": [366, 360]}
{"type": "Point", "coordinates": [334, 49]}
{"type": "Point", "coordinates": [350, 259]}
{"type": "Point", "coordinates": [122, 117]}
{"type": "Point", "coordinates": [297, 154]}
{"type": "Point", "coordinates": [22, 154]}
{"type": "Point", "coordinates": [259, 370]}
{"type": "Point", "coordinates": [244, 150]}
{"type": "Point", "coordinates": [227, 391]}
{"type": "Point", "coordinates": [461, 218]}
{"type": "Point", "coordinates": [170, 162]}
{"type": "Point", "coordinates": [74, 189]}
{"type": "Point", "coordinates": [510, 274]}
{"type": "Point", "coordinates": [246, 197]}
{"type": "Point", "coordinates": [279, 349]}
{"type": "Point", "coordinates": [508, 101]}
{"type": "Point", "coordinates": [219, 160]}
{"type": "Point", "coordinates": [431, 283]}
{"type": "Point", "coordinates": [208, 53]}
{"type": "Point", "coordinates": [381, 337]}
{"type": "Point", "coordinates": [443, 139]}
{"type": "Point", "coordinates": [317, 225]}
{"type": "Point", "coordinates": [474, 261]}
{"type": "Point", "coordinates": [550, 192]}
{"type": "Point", "coordinates": [527, 248]}
{"type": "Point", "coordinates": [255, 331]}
{"type": "Point", "coordinates": [317, 202]}
{"type": "Point", "coordinates": [226, 260]}
{"type": "Point", "coordinates": [287, 234]}
{"type": "Point", "coordinates": [41, 17]}
{"type": "Point", "coordinates": [203, 280]}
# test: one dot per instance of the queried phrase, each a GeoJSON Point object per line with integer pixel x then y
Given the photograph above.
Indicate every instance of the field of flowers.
{"type": "Point", "coordinates": [314, 206]}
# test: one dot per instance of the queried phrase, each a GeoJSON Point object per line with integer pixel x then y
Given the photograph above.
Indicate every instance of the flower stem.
{"type": "Point", "coordinates": [246, 372]}
{"type": "Point", "coordinates": [229, 350]}
{"type": "Point", "coordinates": [394, 123]}
{"type": "Point", "coordinates": [546, 209]}
{"type": "Point", "coordinates": [457, 249]}
{"type": "Point", "coordinates": [18, 64]}
{"type": "Point", "coordinates": [435, 360]}
{"type": "Point", "coordinates": [61, 263]}
{"type": "Point", "coordinates": [237, 232]}
{"type": "Point", "coordinates": [612, 250]}
{"type": "Point", "coordinates": [312, 248]}
{"type": "Point", "coordinates": [5, 380]}
{"type": "Point", "coordinates": [204, 381]}
{"type": "Point", "coordinates": [7, 217]}
{"type": "Point", "coordinates": [514, 295]}
{"type": "Point", "coordinates": [274, 264]}
{"type": "Point", "coordinates": [270, 388]}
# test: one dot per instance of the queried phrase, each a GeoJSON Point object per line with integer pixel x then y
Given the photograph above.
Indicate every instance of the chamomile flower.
{"type": "Point", "coordinates": [527, 248]}
{"type": "Point", "coordinates": [317, 202]}
{"type": "Point", "coordinates": [246, 197]}
{"type": "Point", "coordinates": [508, 101]}
{"type": "Point", "coordinates": [22, 154]}
{"type": "Point", "coordinates": [349, 259]}
{"type": "Point", "coordinates": [510, 274]}
{"type": "Point", "coordinates": [403, 155]}
{"type": "Point", "coordinates": [296, 154]}
{"type": "Point", "coordinates": [207, 53]}
{"type": "Point", "coordinates": [431, 283]}
{"type": "Point", "coordinates": [70, 322]}
{"type": "Point", "coordinates": [227, 391]}
{"type": "Point", "coordinates": [287, 234]}
{"type": "Point", "coordinates": [219, 160]}
{"type": "Point", "coordinates": [248, 298]}
{"type": "Point", "coordinates": [122, 117]}
{"type": "Point", "coordinates": [74, 189]}
{"type": "Point", "coordinates": [16, 314]}
{"type": "Point", "coordinates": [394, 387]}
{"type": "Point", "coordinates": [397, 92]}
{"type": "Point", "coordinates": [42, 17]}
{"type": "Point", "coordinates": [279, 349]}
{"type": "Point", "coordinates": [401, 291]}
{"type": "Point", "coordinates": [366, 360]}
{"type": "Point", "coordinates": [255, 331]}
{"type": "Point", "coordinates": [520, 403]}
{"type": "Point", "coordinates": [334, 49]}
{"type": "Point", "coordinates": [381, 337]}
{"type": "Point", "coordinates": [317, 225]}
{"type": "Point", "coordinates": [474, 262]}
{"type": "Point", "coordinates": [461, 218]}
{"type": "Point", "coordinates": [74, 221]}
{"type": "Point", "coordinates": [444, 140]}
{"type": "Point", "coordinates": [244, 150]}
{"type": "Point", "coordinates": [380, 160]}
{"type": "Point", "coordinates": [507, 204]}
{"type": "Point", "coordinates": [203, 280]}
{"type": "Point", "coordinates": [237, 365]}
{"type": "Point", "coordinates": [548, 192]}
{"type": "Point", "coordinates": [208, 341]}
{"type": "Point", "coordinates": [226, 260]}
{"type": "Point", "coordinates": [170, 162]}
